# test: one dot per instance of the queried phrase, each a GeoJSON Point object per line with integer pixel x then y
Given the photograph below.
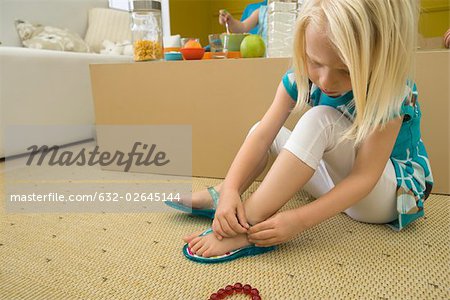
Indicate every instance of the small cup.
{"type": "Point", "coordinates": [232, 41]}
{"type": "Point", "coordinates": [172, 41]}
{"type": "Point", "coordinates": [216, 45]}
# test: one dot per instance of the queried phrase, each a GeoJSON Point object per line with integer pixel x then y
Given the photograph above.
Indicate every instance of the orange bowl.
{"type": "Point", "coordinates": [234, 54]}
{"type": "Point", "coordinates": [192, 53]}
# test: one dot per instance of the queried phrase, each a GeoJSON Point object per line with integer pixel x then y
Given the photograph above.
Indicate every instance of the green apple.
{"type": "Point", "coordinates": [253, 46]}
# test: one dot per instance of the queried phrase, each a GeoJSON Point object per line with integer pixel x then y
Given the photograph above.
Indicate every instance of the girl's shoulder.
{"type": "Point", "coordinates": [291, 87]}
{"type": "Point", "coordinates": [410, 105]}
{"type": "Point", "coordinates": [411, 95]}
{"type": "Point", "coordinates": [289, 84]}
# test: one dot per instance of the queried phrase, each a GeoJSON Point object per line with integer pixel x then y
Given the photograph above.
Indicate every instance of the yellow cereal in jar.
{"type": "Point", "coordinates": [147, 50]}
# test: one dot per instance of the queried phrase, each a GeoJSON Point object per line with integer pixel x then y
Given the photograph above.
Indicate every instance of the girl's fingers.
{"type": "Point", "coordinates": [223, 226]}
{"type": "Point", "coordinates": [447, 39]}
{"type": "Point", "coordinates": [223, 14]}
{"type": "Point", "coordinates": [227, 227]}
{"type": "Point", "coordinates": [217, 229]}
{"type": "Point", "coordinates": [235, 225]}
{"type": "Point", "coordinates": [241, 217]}
{"type": "Point", "coordinates": [261, 226]}
{"type": "Point", "coordinates": [262, 235]}
{"type": "Point", "coordinates": [268, 243]}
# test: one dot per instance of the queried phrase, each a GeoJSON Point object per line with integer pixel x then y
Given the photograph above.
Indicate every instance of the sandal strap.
{"type": "Point", "coordinates": [207, 231]}
{"type": "Point", "coordinates": [214, 195]}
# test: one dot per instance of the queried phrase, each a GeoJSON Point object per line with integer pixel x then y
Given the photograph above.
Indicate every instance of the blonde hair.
{"type": "Point", "coordinates": [376, 40]}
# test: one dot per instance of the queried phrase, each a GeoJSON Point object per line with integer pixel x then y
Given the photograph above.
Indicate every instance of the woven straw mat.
{"type": "Point", "coordinates": [138, 256]}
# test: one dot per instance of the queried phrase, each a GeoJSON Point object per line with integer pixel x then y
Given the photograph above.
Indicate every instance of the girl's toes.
{"type": "Point", "coordinates": [194, 241]}
{"type": "Point", "coordinates": [206, 253]}
{"type": "Point", "coordinates": [197, 246]}
{"type": "Point", "coordinates": [190, 237]}
{"type": "Point", "coordinates": [194, 248]}
{"type": "Point", "coordinates": [202, 250]}
{"type": "Point", "coordinates": [213, 251]}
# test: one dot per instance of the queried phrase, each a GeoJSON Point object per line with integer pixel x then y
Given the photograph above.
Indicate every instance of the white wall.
{"type": "Point", "coordinates": [123, 5]}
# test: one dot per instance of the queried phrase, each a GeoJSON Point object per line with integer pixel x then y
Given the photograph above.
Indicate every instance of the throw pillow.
{"type": "Point", "coordinates": [111, 48]}
{"type": "Point", "coordinates": [49, 38]}
{"type": "Point", "coordinates": [107, 24]}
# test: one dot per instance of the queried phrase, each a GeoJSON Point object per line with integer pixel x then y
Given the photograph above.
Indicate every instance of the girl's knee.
{"type": "Point", "coordinates": [322, 114]}
{"type": "Point", "coordinates": [321, 117]}
{"type": "Point", "coordinates": [253, 128]}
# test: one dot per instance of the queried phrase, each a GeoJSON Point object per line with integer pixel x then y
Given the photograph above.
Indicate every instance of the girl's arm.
{"type": "Point", "coordinates": [255, 147]}
{"type": "Point", "coordinates": [250, 155]}
{"type": "Point", "coordinates": [370, 162]}
{"type": "Point", "coordinates": [236, 25]}
{"type": "Point", "coordinates": [249, 23]}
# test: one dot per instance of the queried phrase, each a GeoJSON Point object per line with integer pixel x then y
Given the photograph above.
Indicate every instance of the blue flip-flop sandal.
{"type": "Point", "coordinates": [229, 256]}
{"type": "Point", "coordinates": [208, 212]}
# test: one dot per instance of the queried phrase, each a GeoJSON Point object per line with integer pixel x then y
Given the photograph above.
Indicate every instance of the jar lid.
{"type": "Point", "coordinates": [144, 5]}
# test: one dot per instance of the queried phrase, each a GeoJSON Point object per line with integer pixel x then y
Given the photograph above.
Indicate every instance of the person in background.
{"type": "Point", "coordinates": [249, 9]}
{"type": "Point", "coordinates": [257, 19]}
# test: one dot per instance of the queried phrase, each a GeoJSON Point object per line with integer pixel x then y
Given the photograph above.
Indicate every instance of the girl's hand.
{"type": "Point", "coordinates": [230, 217]}
{"type": "Point", "coordinates": [224, 16]}
{"type": "Point", "coordinates": [447, 39]}
{"type": "Point", "coordinates": [278, 229]}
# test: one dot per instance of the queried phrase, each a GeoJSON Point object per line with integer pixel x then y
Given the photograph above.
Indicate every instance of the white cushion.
{"type": "Point", "coordinates": [107, 24]}
{"type": "Point", "coordinates": [70, 14]}
{"type": "Point", "coordinates": [50, 38]}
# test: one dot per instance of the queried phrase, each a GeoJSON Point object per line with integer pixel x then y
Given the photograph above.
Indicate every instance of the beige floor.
{"type": "Point", "coordinates": [138, 256]}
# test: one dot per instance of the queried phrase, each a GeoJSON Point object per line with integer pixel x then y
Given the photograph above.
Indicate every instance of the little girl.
{"type": "Point", "coordinates": [358, 150]}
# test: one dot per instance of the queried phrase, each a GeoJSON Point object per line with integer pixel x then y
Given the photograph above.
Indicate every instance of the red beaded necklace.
{"type": "Point", "coordinates": [237, 288]}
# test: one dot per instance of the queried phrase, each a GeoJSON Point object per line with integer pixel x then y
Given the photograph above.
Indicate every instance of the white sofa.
{"type": "Point", "coordinates": [44, 87]}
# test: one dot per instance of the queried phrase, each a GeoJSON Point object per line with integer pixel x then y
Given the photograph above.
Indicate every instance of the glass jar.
{"type": "Point", "coordinates": [146, 29]}
{"type": "Point", "coordinates": [281, 17]}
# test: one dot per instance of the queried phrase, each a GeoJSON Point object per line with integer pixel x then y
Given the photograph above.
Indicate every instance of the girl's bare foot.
{"type": "Point", "coordinates": [208, 245]}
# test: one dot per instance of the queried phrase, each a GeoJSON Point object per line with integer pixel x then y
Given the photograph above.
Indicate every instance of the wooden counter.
{"type": "Point", "coordinates": [222, 99]}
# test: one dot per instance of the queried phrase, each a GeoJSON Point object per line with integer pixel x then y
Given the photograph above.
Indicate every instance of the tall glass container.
{"type": "Point", "coordinates": [281, 17]}
{"type": "Point", "coordinates": [146, 28]}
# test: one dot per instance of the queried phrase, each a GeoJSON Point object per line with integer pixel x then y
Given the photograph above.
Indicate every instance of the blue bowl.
{"type": "Point", "coordinates": [173, 56]}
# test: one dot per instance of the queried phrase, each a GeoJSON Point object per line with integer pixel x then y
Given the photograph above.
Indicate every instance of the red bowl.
{"type": "Point", "coordinates": [192, 53]}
